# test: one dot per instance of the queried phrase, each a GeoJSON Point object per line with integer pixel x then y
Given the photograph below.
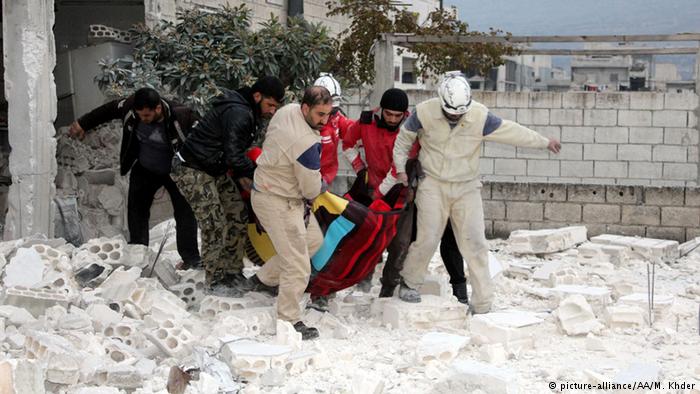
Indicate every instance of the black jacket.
{"type": "Point", "coordinates": [178, 120]}
{"type": "Point", "coordinates": [218, 143]}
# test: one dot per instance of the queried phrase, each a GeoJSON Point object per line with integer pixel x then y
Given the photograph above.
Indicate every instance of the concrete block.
{"type": "Point", "coordinates": [510, 166]}
{"type": "Point", "coordinates": [499, 178]}
{"type": "Point", "coordinates": [531, 153]}
{"type": "Point", "coordinates": [684, 172]}
{"type": "Point", "coordinates": [601, 213]}
{"type": "Point", "coordinates": [680, 136]}
{"type": "Point", "coordinates": [532, 116]}
{"type": "Point", "coordinates": [684, 101]}
{"type": "Point", "coordinates": [510, 191]}
{"type": "Point", "coordinates": [610, 169]}
{"type": "Point", "coordinates": [494, 149]}
{"type": "Point", "coordinates": [473, 376]}
{"type": "Point", "coordinates": [120, 284]}
{"type": "Point", "coordinates": [512, 100]}
{"type": "Point", "coordinates": [645, 248]}
{"type": "Point", "coordinates": [505, 113]}
{"type": "Point", "coordinates": [577, 134]}
{"type": "Point", "coordinates": [562, 212]}
{"type": "Point", "coordinates": [693, 154]}
{"type": "Point", "coordinates": [547, 192]}
{"type": "Point", "coordinates": [544, 100]}
{"type": "Point", "coordinates": [524, 211]}
{"type": "Point", "coordinates": [172, 339]}
{"type": "Point", "coordinates": [692, 119]}
{"type": "Point", "coordinates": [262, 320]}
{"type": "Point", "coordinates": [21, 377]}
{"type": "Point", "coordinates": [512, 329]}
{"type": "Point", "coordinates": [612, 100]}
{"type": "Point", "coordinates": [634, 118]}
{"type": "Point", "coordinates": [627, 230]}
{"type": "Point", "coordinates": [578, 100]}
{"type": "Point", "coordinates": [645, 170]}
{"type": "Point", "coordinates": [689, 246]}
{"type": "Point", "coordinates": [568, 152]}
{"type": "Point", "coordinates": [286, 335]}
{"type": "Point", "coordinates": [25, 269]}
{"type": "Point", "coordinates": [502, 229]}
{"type": "Point", "coordinates": [664, 196]}
{"type": "Point", "coordinates": [494, 209]}
{"type": "Point", "coordinates": [121, 376]}
{"type": "Point", "coordinates": [589, 253]}
{"type": "Point", "coordinates": [485, 166]}
{"type": "Point", "coordinates": [624, 316]}
{"type": "Point", "coordinates": [647, 100]}
{"type": "Point", "coordinates": [634, 152]}
{"type": "Point", "coordinates": [576, 317]}
{"type": "Point", "coordinates": [431, 311]}
{"type": "Point", "coordinates": [36, 301]}
{"type": "Point", "coordinates": [641, 214]}
{"type": "Point", "coordinates": [646, 135]}
{"type": "Point", "coordinates": [600, 152]}
{"type": "Point", "coordinates": [437, 285]}
{"type": "Point", "coordinates": [611, 135]}
{"type": "Point", "coordinates": [576, 168]}
{"type": "Point", "coordinates": [546, 241]}
{"type": "Point", "coordinates": [300, 361]}
{"type": "Point", "coordinates": [670, 153]}
{"type": "Point", "coordinates": [16, 316]}
{"type": "Point", "coordinates": [493, 354]}
{"type": "Point", "coordinates": [486, 98]}
{"type": "Point", "coordinates": [249, 359]}
{"type": "Point", "coordinates": [486, 191]}
{"type": "Point", "coordinates": [623, 194]}
{"type": "Point", "coordinates": [597, 297]}
{"type": "Point", "coordinates": [680, 216]}
{"type": "Point", "coordinates": [599, 117]}
{"type": "Point", "coordinates": [129, 332]}
{"type": "Point", "coordinates": [439, 346]}
{"type": "Point", "coordinates": [549, 131]}
{"type": "Point", "coordinates": [669, 118]}
{"type": "Point", "coordinates": [662, 302]}
{"type": "Point", "coordinates": [585, 193]}
{"type": "Point", "coordinates": [109, 250]}
{"type": "Point", "coordinates": [164, 305]}
{"type": "Point", "coordinates": [547, 270]}
{"type": "Point", "coordinates": [566, 117]}
{"type": "Point", "coordinates": [542, 168]}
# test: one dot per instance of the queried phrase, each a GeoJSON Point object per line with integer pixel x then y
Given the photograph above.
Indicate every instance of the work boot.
{"type": "Point", "coordinates": [306, 332]}
{"type": "Point", "coordinates": [320, 303]}
{"type": "Point", "coordinates": [189, 265]}
{"type": "Point", "coordinates": [255, 284]}
{"type": "Point", "coordinates": [387, 291]}
{"type": "Point", "coordinates": [229, 285]}
{"type": "Point", "coordinates": [408, 294]}
{"type": "Point", "coordinates": [459, 290]}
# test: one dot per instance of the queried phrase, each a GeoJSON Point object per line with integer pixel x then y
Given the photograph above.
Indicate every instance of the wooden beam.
{"type": "Point", "coordinates": [407, 39]}
{"type": "Point", "coordinates": [611, 51]}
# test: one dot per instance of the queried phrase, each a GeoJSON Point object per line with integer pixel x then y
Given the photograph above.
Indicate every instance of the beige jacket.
{"type": "Point", "coordinates": [452, 154]}
{"type": "Point", "coordinates": [291, 160]}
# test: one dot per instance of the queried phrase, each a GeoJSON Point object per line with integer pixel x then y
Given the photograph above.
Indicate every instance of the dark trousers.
{"type": "Point", "coordinates": [398, 249]}
{"type": "Point", "coordinates": [143, 186]}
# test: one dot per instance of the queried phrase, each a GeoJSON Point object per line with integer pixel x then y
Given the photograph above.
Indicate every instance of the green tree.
{"type": "Point", "coordinates": [204, 52]}
{"type": "Point", "coordinates": [354, 61]}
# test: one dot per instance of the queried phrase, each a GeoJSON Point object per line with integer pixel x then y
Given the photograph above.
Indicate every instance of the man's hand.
{"type": "Point", "coordinates": [76, 131]}
{"type": "Point", "coordinates": [554, 145]}
{"type": "Point", "coordinates": [402, 178]}
{"type": "Point", "coordinates": [246, 183]}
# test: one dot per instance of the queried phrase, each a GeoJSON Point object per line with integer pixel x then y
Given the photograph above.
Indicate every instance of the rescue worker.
{"type": "Point", "coordinates": [333, 132]}
{"type": "Point", "coordinates": [153, 129]}
{"type": "Point", "coordinates": [287, 179]}
{"type": "Point", "coordinates": [377, 131]}
{"type": "Point", "coordinates": [212, 170]}
{"type": "Point", "coordinates": [450, 130]}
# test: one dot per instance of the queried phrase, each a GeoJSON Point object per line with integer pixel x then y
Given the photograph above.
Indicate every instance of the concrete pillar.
{"type": "Point", "coordinates": [30, 57]}
{"type": "Point", "coordinates": [383, 70]}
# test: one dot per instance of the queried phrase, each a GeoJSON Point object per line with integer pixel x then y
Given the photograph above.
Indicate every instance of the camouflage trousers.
{"type": "Point", "coordinates": [221, 216]}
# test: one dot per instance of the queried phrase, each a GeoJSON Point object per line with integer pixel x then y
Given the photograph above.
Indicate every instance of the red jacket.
{"type": "Point", "coordinates": [331, 133]}
{"type": "Point", "coordinates": [378, 143]}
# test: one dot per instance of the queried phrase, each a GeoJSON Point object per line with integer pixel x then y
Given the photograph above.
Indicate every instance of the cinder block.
{"type": "Point", "coordinates": [546, 241]}
{"type": "Point", "coordinates": [646, 135]}
{"type": "Point", "coordinates": [585, 193]}
{"type": "Point", "coordinates": [548, 225]}
{"type": "Point", "coordinates": [669, 118]}
{"type": "Point", "coordinates": [672, 233]}
{"type": "Point", "coordinates": [486, 191]}
{"type": "Point", "coordinates": [547, 192]}
{"type": "Point", "coordinates": [494, 149]}
{"type": "Point", "coordinates": [680, 216]}
{"type": "Point", "coordinates": [566, 117]}
{"type": "Point", "coordinates": [599, 117]}
{"type": "Point", "coordinates": [597, 297]}
{"type": "Point", "coordinates": [544, 100]}
{"type": "Point", "coordinates": [576, 317]}
{"type": "Point", "coordinates": [665, 196]}
{"type": "Point", "coordinates": [36, 301]}
{"type": "Point", "coordinates": [250, 359]}
{"type": "Point", "coordinates": [680, 136]}
{"type": "Point", "coordinates": [532, 116]}
{"type": "Point", "coordinates": [692, 196]}
{"type": "Point", "coordinates": [120, 284]}
{"type": "Point", "coordinates": [670, 153]}
{"type": "Point", "coordinates": [647, 100]}
{"type": "Point", "coordinates": [679, 171]}
{"type": "Point", "coordinates": [503, 229]}
{"type": "Point", "coordinates": [634, 152]}
{"type": "Point", "coordinates": [647, 248]}
{"type": "Point", "coordinates": [691, 233]}
{"type": "Point", "coordinates": [512, 99]}
{"type": "Point", "coordinates": [640, 214]}
{"type": "Point", "coordinates": [634, 118]}
{"type": "Point", "coordinates": [542, 168]}
{"type": "Point", "coordinates": [439, 346]}
{"type": "Point", "coordinates": [577, 134]}
{"type": "Point", "coordinates": [549, 131]}
{"type": "Point", "coordinates": [512, 329]}
{"type": "Point", "coordinates": [576, 168]}
{"type": "Point", "coordinates": [610, 169]}
{"type": "Point", "coordinates": [485, 166]}
{"type": "Point", "coordinates": [524, 211]}
{"type": "Point", "coordinates": [600, 152]}
{"type": "Point", "coordinates": [693, 154]}
{"type": "Point", "coordinates": [645, 170]}
{"type": "Point", "coordinates": [485, 97]}
{"type": "Point", "coordinates": [684, 101]}
{"type": "Point", "coordinates": [562, 212]}
{"type": "Point", "coordinates": [623, 194]}
{"type": "Point", "coordinates": [592, 253]}
{"type": "Point", "coordinates": [578, 100]}
{"type": "Point", "coordinates": [601, 213]}
{"type": "Point", "coordinates": [568, 152]}
{"type": "Point", "coordinates": [611, 135]}
{"type": "Point", "coordinates": [172, 338]}
{"type": "Point", "coordinates": [494, 209]}
{"type": "Point", "coordinates": [510, 191]}
{"type": "Point", "coordinates": [109, 250]}
{"type": "Point", "coordinates": [488, 229]}
{"type": "Point", "coordinates": [692, 119]}
{"type": "Point", "coordinates": [499, 178]}
{"type": "Point", "coordinates": [596, 229]}
{"type": "Point", "coordinates": [612, 100]}
{"type": "Point", "coordinates": [431, 311]}
{"type": "Point", "coordinates": [627, 230]}
{"type": "Point", "coordinates": [599, 181]}
{"type": "Point", "coordinates": [531, 153]}
{"type": "Point", "coordinates": [624, 316]}
{"type": "Point", "coordinates": [505, 113]}
{"type": "Point", "coordinates": [633, 182]}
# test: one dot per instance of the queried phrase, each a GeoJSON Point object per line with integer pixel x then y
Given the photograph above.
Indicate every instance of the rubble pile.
{"type": "Point", "coordinates": [100, 318]}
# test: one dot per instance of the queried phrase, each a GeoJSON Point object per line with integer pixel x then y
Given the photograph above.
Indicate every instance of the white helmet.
{"type": "Point", "coordinates": [327, 81]}
{"type": "Point", "coordinates": [455, 93]}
